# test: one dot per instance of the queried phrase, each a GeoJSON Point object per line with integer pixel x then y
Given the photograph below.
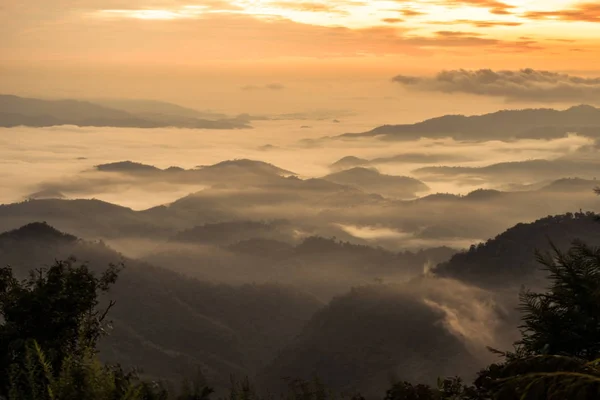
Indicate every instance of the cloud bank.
{"type": "Point", "coordinates": [522, 85]}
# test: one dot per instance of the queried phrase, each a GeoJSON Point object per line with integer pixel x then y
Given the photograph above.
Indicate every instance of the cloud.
{"type": "Point", "coordinates": [180, 33]}
{"type": "Point", "coordinates": [478, 23]}
{"type": "Point", "coordinates": [315, 7]}
{"type": "Point", "coordinates": [409, 12]}
{"type": "Point", "coordinates": [392, 20]}
{"type": "Point", "coordinates": [456, 34]}
{"type": "Point", "coordinates": [586, 12]}
{"type": "Point", "coordinates": [269, 86]}
{"type": "Point", "coordinates": [494, 6]}
{"type": "Point", "coordinates": [522, 85]}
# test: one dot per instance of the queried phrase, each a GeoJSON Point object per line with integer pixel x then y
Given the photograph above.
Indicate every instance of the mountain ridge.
{"type": "Point", "coordinates": [502, 125]}
{"type": "Point", "coordinates": [25, 111]}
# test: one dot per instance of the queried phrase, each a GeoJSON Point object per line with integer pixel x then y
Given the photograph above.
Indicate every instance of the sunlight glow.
{"type": "Point", "coordinates": [154, 14]}
{"type": "Point", "coordinates": [418, 17]}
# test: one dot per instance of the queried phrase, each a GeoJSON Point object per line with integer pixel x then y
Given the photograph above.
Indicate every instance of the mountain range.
{"type": "Point", "coordinates": [541, 123]}
{"type": "Point", "coordinates": [168, 323]}
{"type": "Point", "coordinates": [21, 111]}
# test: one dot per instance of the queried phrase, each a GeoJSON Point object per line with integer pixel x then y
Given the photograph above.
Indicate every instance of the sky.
{"type": "Point", "coordinates": [118, 47]}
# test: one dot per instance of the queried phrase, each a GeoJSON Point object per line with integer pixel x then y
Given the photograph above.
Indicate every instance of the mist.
{"type": "Point", "coordinates": [315, 215]}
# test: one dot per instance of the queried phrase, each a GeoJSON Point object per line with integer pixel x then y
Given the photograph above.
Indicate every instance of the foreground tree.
{"type": "Point", "coordinates": [566, 319]}
{"type": "Point", "coordinates": [558, 354]}
{"type": "Point", "coordinates": [57, 308]}
{"type": "Point", "coordinates": [81, 377]}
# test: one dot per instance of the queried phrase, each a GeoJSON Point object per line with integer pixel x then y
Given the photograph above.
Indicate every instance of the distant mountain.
{"type": "Point", "coordinates": [406, 158]}
{"type": "Point", "coordinates": [20, 111]}
{"type": "Point", "coordinates": [247, 165]}
{"type": "Point", "coordinates": [90, 218]}
{"type": "Point", "coordinates": [529, 170]}
{"type": "Point", "coordinates": [37, 231]}
{"type": "Point", "coordinates": [229, 233]}
{"type": "Point", "coordinates": [442, 197]}
{"type": "Point", "coordinates": [484, 195]}
{"type": "Point", "coordinates": [157, 108]}
{"type": "Point", "coordinates": [239, 173]}
{"type": "Point", "coordinates": [248, 251]}
{"type": "Point", "coordinates": [233, 193]}
{"type": "Point", "coordinates": [372, 181]}
{"type": "Point", "coordinates": [238, 194]}
{"type": "Point", "coordinates": [262, 248]}
{"type": "Point", "coordinates": [568, 185]}
{"type": "Point", "coordinates": [509, 259]}
{"type": "Point", "coordinates": [501, 125]}
{"type": "Point", "coordinates": [348, 162]}
{"type": "Point", "coordinates": [167, 324]}
{"type": "Point", "coordinates": [127, 167]}
{"type": "Point", "coordinates": [231, 167]}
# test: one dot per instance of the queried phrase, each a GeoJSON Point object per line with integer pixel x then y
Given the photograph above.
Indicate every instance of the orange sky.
{"type": "Point", "coordinates": [561, 34]}
{"type": "Point", "coordinates": [233, 55]}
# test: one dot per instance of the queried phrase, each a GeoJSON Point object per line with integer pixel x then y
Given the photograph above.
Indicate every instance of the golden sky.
{"type": "Point", "coordinates": [561, 34]}
{"type": "Point", "coordinates": [273, 55]}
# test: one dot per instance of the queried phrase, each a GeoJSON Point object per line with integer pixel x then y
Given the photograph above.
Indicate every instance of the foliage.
{"type": "Point", "coordinates": [548, 377]}
{"type": "Point", "coordinates": [195, 389]}
{"type": "Point", "coordinates": [556, 357]}
{"type": "Point", "coordinates": [447, 389]}
{"type": "Point", "coordinates": [566, 319]}
{"type": "Point", "coordinates": [58, 308]}
{"type": "Point", "coordinates": [508, 260]}
{"type": "Point", "coordinates": [81, 376]}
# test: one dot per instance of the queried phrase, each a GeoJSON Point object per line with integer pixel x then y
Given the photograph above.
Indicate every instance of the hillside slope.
{"type": "Point", "coordinates": [169, 325]}
{"type": "Point", "coordinates": [500, 125]}
{"type": "Point", "coordinates": [509, 259]}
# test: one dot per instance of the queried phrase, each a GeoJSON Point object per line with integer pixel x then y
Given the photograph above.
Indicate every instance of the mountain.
{"type": "Point", "coordinates": [569, 185]}
{"type": "Point", "coordinates": [240, 165]}
{"type": "Point", "coordinates": [21, 111]}
{"type": "Point", "coordinates": [367, 337]}
{"type": "Point", "coordinates": [348, 162]}
{"type": "Point", "coordinates": [262, 248]}
{"type": "Point", "coordinates": [228, 233]}
{"type": "Point", "coordinates": [127, 167]}
{"type": "Point", "coordinates": [406, 158]}
{"type": "Point", "coordinates": [245, 194]}
{"type": "Point", "coordinates": [89, 218]}
{"type": "Point", "coordinates": [417, 329]}
{"type": "Point", "coordinates": [233, 193]}
{"type": "Point", "coordinates": [242, 170]}
{"type": "Point", "coordinates": [509, 258]}
{"type": "Point", "coordinates": [167, 324]}
{"type": "Point", "coordinates": [247, 251]}
{"type": "Point", "coordinates": [372, 181]}
{"type": "Point", "coordinates": [501, 125]}
{"type": "Point", "coordinates": [155, 108]}
{"type": "Point", "coordinates": [41, 232]}
{"type": "Point", "coordinates": [529, 170]}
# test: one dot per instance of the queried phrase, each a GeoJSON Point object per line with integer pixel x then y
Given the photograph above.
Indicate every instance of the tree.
{"type": "Point", "coordinates": [447, 389]}
{"type": "Point", "coordinates": [565, 320]}
{"type": "Point", "coordinates": [82, 376]}
{"type": "Point", "coordinates": [57, 308]}
{"type": "Point", "coordinates": [557, 356]}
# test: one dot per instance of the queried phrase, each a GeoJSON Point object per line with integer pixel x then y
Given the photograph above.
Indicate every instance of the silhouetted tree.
{"type": "Point", "coordinates": [557, 356]}
{"type": "Point", "coordinates": [57, 308]}
{"type": "Point", "coordinates": [566, 319]}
